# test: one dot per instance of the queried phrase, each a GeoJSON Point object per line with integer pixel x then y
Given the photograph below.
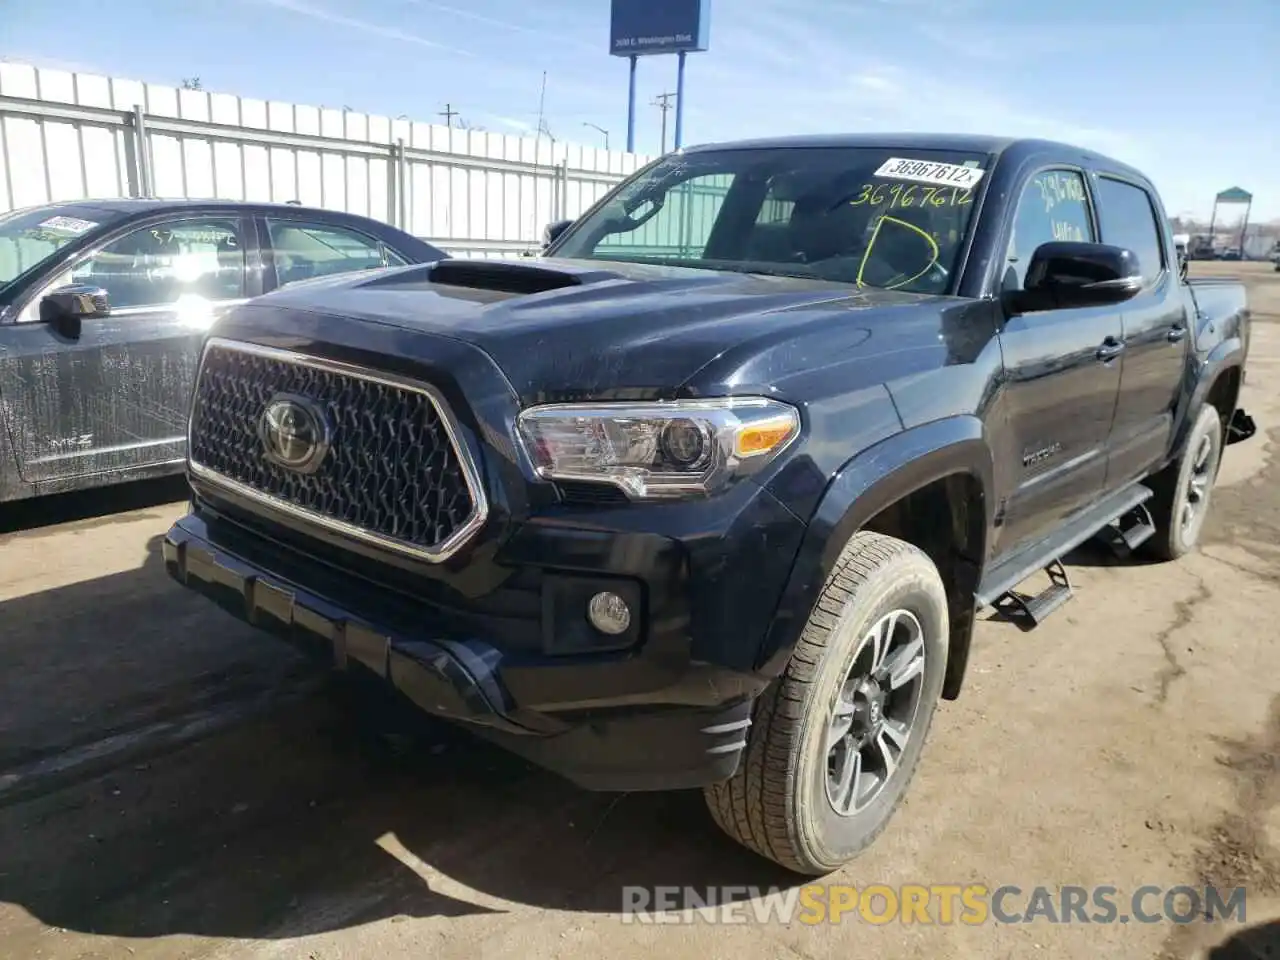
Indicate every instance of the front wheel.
{"type": "Point", "coordinates": [836, 739]}
{"type": "Point", "coordinates": [1183, 492]}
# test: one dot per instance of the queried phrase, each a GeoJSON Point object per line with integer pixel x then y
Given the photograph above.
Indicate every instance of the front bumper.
{"type": "Point", "coordinates": [682, 724]}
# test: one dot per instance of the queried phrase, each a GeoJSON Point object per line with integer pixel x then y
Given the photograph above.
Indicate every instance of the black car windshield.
{"type": "Point", "coordinates": [30, 236]}
{"type": "Point", "coordinates": [887, 217]}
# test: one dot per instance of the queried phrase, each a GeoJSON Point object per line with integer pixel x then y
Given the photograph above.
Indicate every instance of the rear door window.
{"type": "Point", "coordinates": [1128, 220]}
{"type": "Point", "coordinates": [302, 249]}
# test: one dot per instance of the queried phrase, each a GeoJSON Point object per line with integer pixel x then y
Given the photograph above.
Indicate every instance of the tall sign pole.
{"type": "Point", "coordinates": [641, 28]}
{"type": "Point", "coordinates": [631, 110]}
{"type": "Point", "coordinates": [679, 99]}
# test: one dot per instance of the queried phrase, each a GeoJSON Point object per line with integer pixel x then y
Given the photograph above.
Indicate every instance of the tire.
{"type": "Point", "coordinates": [1187, 481]}
{"type": "Point", "coordinates": [778, 803]}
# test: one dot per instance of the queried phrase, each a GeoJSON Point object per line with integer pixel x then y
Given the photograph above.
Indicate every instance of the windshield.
{"type": "Point", "coordinates": [882, 217]}
{"type": "Point", "coordinates": [28, 237]}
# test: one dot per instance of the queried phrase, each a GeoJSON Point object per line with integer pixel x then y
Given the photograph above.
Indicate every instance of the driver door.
{"type": "Point", "coordinates": [1061, 380]}
{"type": "Point", "coordinates": [113, 399]}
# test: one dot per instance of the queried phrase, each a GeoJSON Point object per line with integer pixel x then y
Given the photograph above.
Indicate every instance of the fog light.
{"type": "Point", "coordinates": [609, 613]}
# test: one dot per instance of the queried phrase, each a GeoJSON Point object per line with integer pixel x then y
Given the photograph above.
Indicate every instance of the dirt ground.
{"type": "Point", "coordinates": [174, 786]}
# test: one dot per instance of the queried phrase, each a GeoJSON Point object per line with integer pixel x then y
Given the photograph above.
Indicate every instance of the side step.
{"type": "Point", "coordinates": [1127, 533]}
{"type": "Point", "coordinates": [997, 588]}
{"type": "Point", "coordinates": [1035, 609]}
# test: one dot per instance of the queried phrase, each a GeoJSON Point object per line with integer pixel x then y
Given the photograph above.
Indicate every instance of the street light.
{"type": "Point", "coordinates": [601, 129]}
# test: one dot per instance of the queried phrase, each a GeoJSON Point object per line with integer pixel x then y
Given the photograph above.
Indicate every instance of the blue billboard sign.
{"type": "Point", "coordinates": [642, 27]}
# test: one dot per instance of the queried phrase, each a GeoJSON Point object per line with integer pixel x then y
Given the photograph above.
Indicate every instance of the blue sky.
{"type": "Point", "coordinates": [1188, 91]}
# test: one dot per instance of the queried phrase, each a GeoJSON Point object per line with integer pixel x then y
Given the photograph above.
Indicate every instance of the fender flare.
{"type": "Point", "coordinates": [1225, 356]}
{"type": "Point", "coordinates": [865, 485]}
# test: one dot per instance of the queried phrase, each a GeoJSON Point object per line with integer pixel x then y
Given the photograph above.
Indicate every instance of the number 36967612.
{"type": "Point", "coordinates": [902, 195]}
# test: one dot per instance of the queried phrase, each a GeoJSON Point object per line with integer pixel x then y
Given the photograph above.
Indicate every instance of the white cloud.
{"type": "Point", "coordinates": [846, 70]}
{"type": "Point", "coordinates": [553, 35]}
{"type": "Point", "coordinates": [305, 9]}
{"type": "Point", "coordinates": [510, 122]}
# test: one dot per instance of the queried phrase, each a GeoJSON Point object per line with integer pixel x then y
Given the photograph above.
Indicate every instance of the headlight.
{"type": "Point", "coordinates": [674, 448]}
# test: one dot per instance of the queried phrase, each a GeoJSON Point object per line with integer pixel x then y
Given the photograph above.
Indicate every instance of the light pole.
{"type": "Point", "coordinates": [601, 129]}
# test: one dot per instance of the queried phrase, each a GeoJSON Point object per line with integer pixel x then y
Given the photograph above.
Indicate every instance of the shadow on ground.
{"type": "Point", "coordinates": [98, 657]}
{"type": "Point", "coordinates": [1253, 943]}
{"type": "Point", "coordinates": [102, 502]}
{"type": "Point", "coordinates": [322, 813]}
{"type": "Point", "coordinates": [309, 819]}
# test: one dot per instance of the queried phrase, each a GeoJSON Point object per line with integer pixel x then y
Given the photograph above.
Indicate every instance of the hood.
{"type": "Point", "coordinates": [564, 329]}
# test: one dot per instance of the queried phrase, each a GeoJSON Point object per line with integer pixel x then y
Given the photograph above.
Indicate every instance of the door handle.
{"type": "Point", "coordinates": [1176, 334]}
{"type": "Point", "coordinates": [1110, 349]}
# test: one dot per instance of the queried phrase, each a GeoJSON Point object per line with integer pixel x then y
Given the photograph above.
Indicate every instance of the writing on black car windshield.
{"type": "Point", "coordinates": [890, 218]}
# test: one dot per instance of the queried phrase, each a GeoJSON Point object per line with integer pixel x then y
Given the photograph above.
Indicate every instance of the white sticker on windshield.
{"type": "Point", "coordinates": [930, 171]}
{"type": "Point", "coordinates": [69, 224]}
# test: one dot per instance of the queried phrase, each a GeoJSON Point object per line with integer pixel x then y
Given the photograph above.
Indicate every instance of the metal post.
{"type": "Point", "coordinates": [680, 100]}
{"type": "Point", "coordinates": [631, 110]}
{"type": "Point", "coordinates": [1244, 227]}
{"type": "Point", "coordinates": [142, 151]}
{"type": "Point", "coordinates": [402, 190]}
{"type": "Point", "coordinates": [555, 185]}
{"type": "Point", "coordinates": [564, 189]}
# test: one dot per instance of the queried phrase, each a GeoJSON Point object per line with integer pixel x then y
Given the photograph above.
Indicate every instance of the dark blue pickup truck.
{"type": "Point", "coordinates": [709, 494]}
{"type": "Point", "coordinates": [104, 305]}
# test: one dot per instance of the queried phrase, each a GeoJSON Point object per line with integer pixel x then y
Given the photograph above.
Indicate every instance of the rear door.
{"type": "Point", "coordinates": [1062, 374]}
{"type": "Point", "coordinates": [298, 248]}
{"type": "Point", "coordinates": [115, 398]}
{"type": "Point", "coordinates": [1156, 332]}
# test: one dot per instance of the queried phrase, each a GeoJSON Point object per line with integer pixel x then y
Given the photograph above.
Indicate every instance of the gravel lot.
{"type": "Point", "coordinates": [173, 785]}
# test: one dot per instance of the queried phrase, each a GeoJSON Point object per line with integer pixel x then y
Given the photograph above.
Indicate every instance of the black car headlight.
{"type": "Point", "coordinates": [663, 449]}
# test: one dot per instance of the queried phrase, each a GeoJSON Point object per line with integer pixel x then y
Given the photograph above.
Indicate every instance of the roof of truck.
{"type": "Point", "coordinates": [966, 143]}
{"type": "Point", "coordinates": [951, 142]}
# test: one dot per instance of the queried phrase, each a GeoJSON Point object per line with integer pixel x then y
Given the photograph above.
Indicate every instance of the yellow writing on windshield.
{"type": "Point", "coordinates": [902, 195]}
{"type": "Point", "coordinates": [901, 280]}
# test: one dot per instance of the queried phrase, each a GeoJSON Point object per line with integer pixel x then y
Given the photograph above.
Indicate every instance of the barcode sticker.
{"type": "Point", "coordinates": [68, 224]}
{"type": "Point", "coordinates": [930, 171]}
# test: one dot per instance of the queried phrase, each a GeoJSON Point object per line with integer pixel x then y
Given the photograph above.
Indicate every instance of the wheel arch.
{"type": "Point", "coordinates": [1221, 376]}
{"type": "Point", "coordinates": [931, 486]}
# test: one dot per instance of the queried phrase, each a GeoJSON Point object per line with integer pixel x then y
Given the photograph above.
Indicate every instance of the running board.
{"type": "Point", "coordinates": [1034, 609]}
{"type": "Point", "coordinates": [997, 587]}
{"type": "Point", "coordinates": [1129, 532]}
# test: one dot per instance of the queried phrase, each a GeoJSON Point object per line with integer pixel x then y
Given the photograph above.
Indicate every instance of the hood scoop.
{"type": "Point", "coordinates": [505, 276]}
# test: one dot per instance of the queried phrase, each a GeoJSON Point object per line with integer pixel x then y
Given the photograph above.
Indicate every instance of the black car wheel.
{"type": "Point", "coordinates": [1183, 491]}
{"type": "Point", "coordinates": [836, 740]}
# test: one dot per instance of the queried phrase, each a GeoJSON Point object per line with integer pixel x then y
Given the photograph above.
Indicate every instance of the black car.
{"type": "Point", "coordinates": [712, 500]}
{"type": "Point", "coordinates": [104, 305]}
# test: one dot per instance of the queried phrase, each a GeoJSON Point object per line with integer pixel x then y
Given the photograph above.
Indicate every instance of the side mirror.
{"type": "Point", "coordinates": [1065, 274]}
{"type": "Point", "coordinates": [553, 230]}
{"type": "Point", "coordinates": [65, 307]}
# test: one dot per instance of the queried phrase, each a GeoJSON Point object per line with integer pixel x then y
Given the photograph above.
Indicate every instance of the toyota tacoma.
{"type": "Point", "coordinates": [709, 494]}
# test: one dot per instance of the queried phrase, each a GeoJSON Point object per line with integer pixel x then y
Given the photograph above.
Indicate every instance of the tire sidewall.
{"type": "Point", "coordinates": [1208, 423]}
{"type": "Point", "coordinates": [909, 582]}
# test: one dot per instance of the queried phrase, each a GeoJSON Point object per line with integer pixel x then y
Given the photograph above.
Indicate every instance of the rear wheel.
{"type": "Point", "coordinates": [836, 740]}
{"type": "Point", "coordinates": [1183, 491]}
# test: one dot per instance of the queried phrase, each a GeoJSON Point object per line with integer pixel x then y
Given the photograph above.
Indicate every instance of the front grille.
{"type": "Point", "coordinates": [392, 474]}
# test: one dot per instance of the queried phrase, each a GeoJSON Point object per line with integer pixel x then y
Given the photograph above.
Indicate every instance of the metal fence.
{"type": "Point", "coordinates": [67, 136]}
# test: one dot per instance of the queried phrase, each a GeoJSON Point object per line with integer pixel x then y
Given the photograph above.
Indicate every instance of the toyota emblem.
{"type": "Point", "coordinates": [294, 433]}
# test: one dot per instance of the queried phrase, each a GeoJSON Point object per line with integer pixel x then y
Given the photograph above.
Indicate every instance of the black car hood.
{"type": "Point", "coordinates": [565, 329]}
